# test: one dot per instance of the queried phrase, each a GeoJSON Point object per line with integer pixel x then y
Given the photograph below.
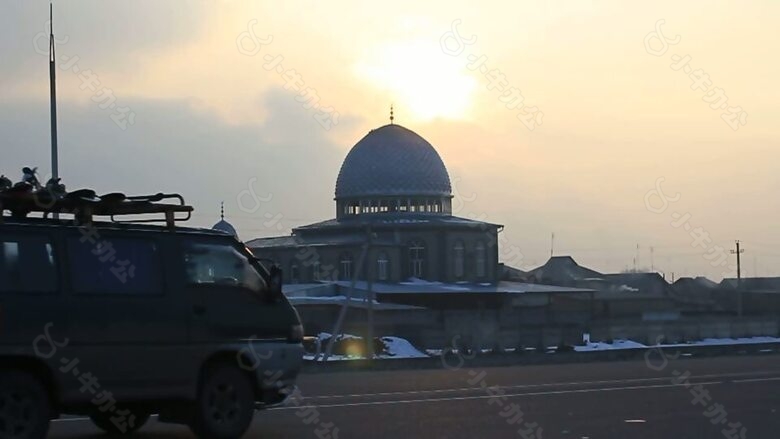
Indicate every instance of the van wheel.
{"type": "Point", "coordinates": [225, 405]}
{"type": "Point", "coordinates": [24, 406]}
{"type": "Point", "coordinates": [124, 425]}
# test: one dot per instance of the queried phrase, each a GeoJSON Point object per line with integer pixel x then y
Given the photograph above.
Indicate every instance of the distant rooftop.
{"type": "Point", "coordinates": [562, 269]}
{"type": "Point", "coordinates": [391, 219]}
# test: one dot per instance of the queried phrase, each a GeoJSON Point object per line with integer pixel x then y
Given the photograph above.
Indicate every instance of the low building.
{"type": "Point", "coordinates": [430, 314]}
{"type": "Point", "coordinates": [624, 296]}
{"type": "Point", "coordinates": [759, 295]}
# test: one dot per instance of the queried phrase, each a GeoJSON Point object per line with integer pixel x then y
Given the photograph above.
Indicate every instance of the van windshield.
{"type": "Point", "coordinates": [220, 263]}
{"type": "Point", "coordinates": [259, 265]}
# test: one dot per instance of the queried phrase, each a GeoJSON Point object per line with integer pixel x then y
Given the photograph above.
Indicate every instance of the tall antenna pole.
{"type": "Point", "coordinates": [55, 165]}
{"type": "Point", "coordinates": [55, 171]}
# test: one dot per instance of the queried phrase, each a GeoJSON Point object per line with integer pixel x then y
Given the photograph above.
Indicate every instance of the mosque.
{"type": "Point", "coordinates": [396, 256]}
{"type": "Point", "coordinates": [404, 265]}
{"type": "Point", "coordinates": [393, 222]}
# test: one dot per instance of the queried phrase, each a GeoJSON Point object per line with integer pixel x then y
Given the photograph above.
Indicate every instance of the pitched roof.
{"type": "Point", "coordinates": [511, 273]}
{"type": "Point", "coordinates": [562, 270]}
{"type": "Point", "coordinates": [395, 219]}
{"type": "Point", "coordinates": [295, 241]}
{"type": "Point", "coordinates": [699, 282]}
{"type": "Point", "coordinates": [763, 284]}
{"type": "Point", "coordinates": [428, 287]}
{"type": "Point", "coordinates": [646, 283]}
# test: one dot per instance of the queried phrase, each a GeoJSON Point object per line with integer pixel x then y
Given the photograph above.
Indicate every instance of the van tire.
{"type": "Point", "coordinates": [225, 405]}
{"type": "Point", "coordinates": [25, 408]}
{"type": "Point", "coordinates": [103, 421]}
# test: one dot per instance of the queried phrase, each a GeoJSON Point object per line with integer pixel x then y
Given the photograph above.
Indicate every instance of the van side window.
{"type": "Point", "coordinates": [217, 263]}
{"type": "Point", "coordinates": [115, 266]}
{"type": "Point", "coordinates": [27, 265]}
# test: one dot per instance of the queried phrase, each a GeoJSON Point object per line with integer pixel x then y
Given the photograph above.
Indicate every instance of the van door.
{"type": "Point", "coordinates": [32, 311]}
{"type": "Point", "coordinates": [128, 329]}
{"type": "Point", "coordinates": [229, 295]}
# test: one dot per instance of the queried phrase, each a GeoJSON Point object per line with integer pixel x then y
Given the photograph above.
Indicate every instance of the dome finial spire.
{"type": "Point", "coordinates": [391, 114]}
{"type": "Point", "coordinates": [222, 210]}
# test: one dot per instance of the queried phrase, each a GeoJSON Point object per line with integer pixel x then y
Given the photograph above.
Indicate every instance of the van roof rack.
{"type": "Point", "coordinates": [85, 204]}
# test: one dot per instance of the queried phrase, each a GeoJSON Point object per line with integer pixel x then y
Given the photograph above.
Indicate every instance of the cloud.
{"type": "Point", "coordinates": [102, 32]}
{"type": "Point", "coordinates": [175, 147]}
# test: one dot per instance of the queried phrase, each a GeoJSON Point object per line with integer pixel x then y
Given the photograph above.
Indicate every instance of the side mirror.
{"type": "Point", "coordinates": [275, 284]}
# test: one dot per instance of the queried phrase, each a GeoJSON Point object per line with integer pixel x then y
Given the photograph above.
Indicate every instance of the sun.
{"type": "Point", "coordinates": [421, 79]}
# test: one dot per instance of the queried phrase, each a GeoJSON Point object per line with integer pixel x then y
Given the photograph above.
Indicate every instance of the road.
{"type": "Point", "coordinates": [592, 400]}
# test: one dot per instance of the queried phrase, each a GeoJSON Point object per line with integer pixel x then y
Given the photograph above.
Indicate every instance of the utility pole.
{"type": "Point", "coordinates": [739, 251]}
{"type": "Point", "coordinates": [552, 244]}
{"type": "Point", "coordinates": [370, 297]}
{"type": "Point", "coordinates": [337, 328]}
{"type": "Point", "coordinates": [636, 259]}
{"type": "Point", "coordinates": [755, 266]}
{"type": "Point", "coordinates": [652, 261]}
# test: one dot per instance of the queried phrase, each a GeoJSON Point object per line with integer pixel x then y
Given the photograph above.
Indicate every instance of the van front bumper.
{"type": "Point", "coordinates": [286, 397]}
{"type": "Point", "coordinates": [278, 374]}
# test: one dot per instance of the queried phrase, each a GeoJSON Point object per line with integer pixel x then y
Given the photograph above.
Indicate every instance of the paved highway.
{"type": "Point", "coordinates": [726, 397]}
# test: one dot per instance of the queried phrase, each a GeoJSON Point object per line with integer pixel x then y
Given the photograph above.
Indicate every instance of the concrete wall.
{"type": "Point", "coordinates": [529, 327]}
{"type": "Point", "coordinates": [685, 330]}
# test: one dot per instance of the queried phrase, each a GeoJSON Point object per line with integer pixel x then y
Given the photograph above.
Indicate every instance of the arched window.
{"type": "Point", "coordinates": [382, 264]}
{"type": "Point", "coordinates": [481, 261]}
{"type": "Point", "coordinates": [345, 267]}
{"type": "Point", "coordinates": [294, 274]}
{"type": "Point", "coordinates": [417, 259]}
{"type": "Point", "coordinates": [315, 270]}
{"type": "Point", "coordinates": [458, 257]}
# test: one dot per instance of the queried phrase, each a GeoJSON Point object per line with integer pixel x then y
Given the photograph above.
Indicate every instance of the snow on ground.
{"type": "Point", "coordinates": [304, 299]}
{"type": "Point", "coordinates": [628, 344]}
{"type": "Point", "coordinates": [400, 348]}
{"type": "Point", "coordinates": [618, 344]}
{"type": "Point", "coordinates": [395, 347]}
{"type": "Point", "coordinates": [728, 341]}
{"type": "Point", "coordinates": [326, 335]}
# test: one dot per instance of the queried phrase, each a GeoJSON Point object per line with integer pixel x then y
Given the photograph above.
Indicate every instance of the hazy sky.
{"type": "Point", "coordinates": [210, 117]}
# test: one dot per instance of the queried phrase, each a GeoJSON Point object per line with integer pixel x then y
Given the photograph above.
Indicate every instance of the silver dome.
{"type": "Point", "coordinates": [225, 227]}
{"type": "Point", "coordinates": [391, 161]}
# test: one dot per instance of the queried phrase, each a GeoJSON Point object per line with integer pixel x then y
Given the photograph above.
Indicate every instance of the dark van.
{"type": "Point", "coordinates": [118, 321]}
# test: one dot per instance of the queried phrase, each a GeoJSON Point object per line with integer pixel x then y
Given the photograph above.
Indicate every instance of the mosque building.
{"type": "Point", "coordinates": [393, 222]}
{"type": "Point", "coordinates": [404, 265]}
